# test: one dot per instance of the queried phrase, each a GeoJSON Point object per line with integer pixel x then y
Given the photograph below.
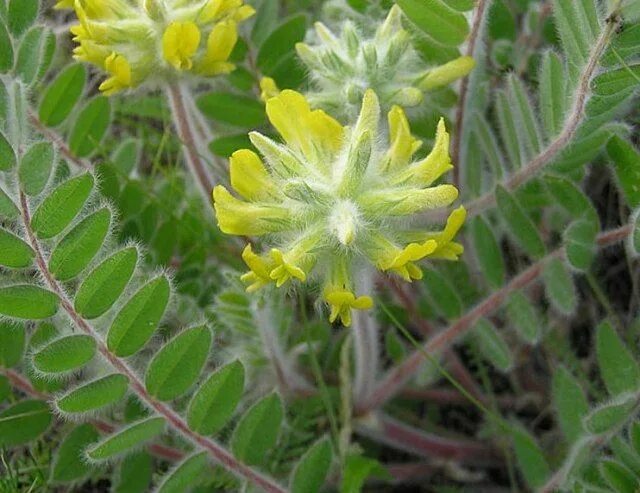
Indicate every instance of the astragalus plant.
{"type": "Point", "coordinates": [293, 246]}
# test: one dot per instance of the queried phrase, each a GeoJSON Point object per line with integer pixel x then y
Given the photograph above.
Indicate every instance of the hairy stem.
{"type": "Point", "coordinates": [175, 421]}
{"type": "Point", "coordinates": [19, 382]}
{"type": "Point", "coordinates": [395, 378]}
{"type": "Point", "coordinates": [190, 133]}
{"type": "Point", "coordinates": [365, 332]}
{"type": "Point", "coordinates": [385, 429]}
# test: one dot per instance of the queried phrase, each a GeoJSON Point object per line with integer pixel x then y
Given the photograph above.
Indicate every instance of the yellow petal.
{"type": "Point", "coordinates": [342, 301]}
{"type": "Point", "coordinates": [179, 43]}
{"type": "Point", "coordinates": [249, 177]}
{"type": "Point", "coordinates": [405, 201]}
{"type": "Point", "coordinates": [237, 217]}
{"type": "Point", "coordinates": [403, 145]}
{"type": "Point", "coordinates": [120, 70]}
{"type": "Point", "coordinates": [222, 39]}
{"type": "Point", "coordinates": [268, 88]}
{"type": "Point", "coordinates": [306, 131]}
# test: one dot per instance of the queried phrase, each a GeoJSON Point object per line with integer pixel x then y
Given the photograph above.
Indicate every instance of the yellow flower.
{"type": "Point", "coordinates": [179, 43]}
{"type": "Point", "coordinates": [342, 302]}
{"type": "Point", "coordinates": [157, 38]}
{"type": "Point", "coordinates": [120, 71]}
{"type": "Point", "coordinates": [332, 202]}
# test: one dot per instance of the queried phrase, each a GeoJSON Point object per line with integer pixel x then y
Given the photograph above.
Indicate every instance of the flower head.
{"type": "Point", "coordinates": [343, 67]}
{"type": "Point", "coordinates": [333, 201]}
{"type": "Point", "coordinates": [135, 41]}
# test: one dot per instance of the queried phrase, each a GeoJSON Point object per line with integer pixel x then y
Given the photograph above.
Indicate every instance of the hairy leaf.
{"type": "Point", "coordinates": [570, 403]}
{"type": "Point", "coordinates": [215, 401]}
{"type": "Point", "coordinates": [185, 474]}
{"type": "Point", "coordinates": [62, 95]}
{"type": "Point", "coordinates": [14, 252]}
{"type": "Point", "coordinates": [27, 302]}
{"type": "Point", "coordinates": [559, 286]}
{"type": "Point", "coordinates": [61, 206]}
{"type": "Point", "coordinates": [619, 369]}
{"type": "Point", "coordinates": [233, 109]}
{"type": "Point", "coordinates": [523, 317]}
{"type": "Point", "coordinates": [94, 395]}
{"type": "Point", "coordinates": [491, 345]}
{"type": "Point", "coordinates": [176, 367]}
{"type": "Point", "coordinates": [35, 167]}
{"type": "Point", "coordinates": [127, 438]}
{"type": "Point", "coordinates": [626, 160]}
{"type": "Point", "coordinates": [80, 245]}
{"type": "Point", "coordinates": [580, 244]}
{"type": "Point", "coordinates": [138, 319]}
{"type": "Point", "coordinates": [531, 461]}
{"type": "Point", "coordinates": [6, 50]}
{"type": "Point", "coordinates": [553, 93]}
{"type": "Point", "coordinates": [12, 342]}
{"type": "Point", "coordinates": [24, 422]}
{"type": "Point", "coordinates": [106, 283]}
{"type": "Point", "coordinates": [35, 54]}
{"type": "Point", "coordinates": [258, 430]}
{"type": "Point", "coordinates": [610, 415]}
{"type": "Point", "coordinates": [487, 250]}
{"type": "Point", "coordinates": [519, 224]}
{"type": "Point", "coordinates": [21, 14]}
{"type": "Point", "coordinates": [437, 19]}
{"type": "Point", "coordinates": [69, 463]}
{"type": "Point", "coordinates": [8, 209]}
{"type": "Point", "coordinates": [65, 354]}
{"type": "Point", "coordinates": [312, 469]}
{"type": "Point", "coordinates": [134, 474]}
{"type": "Point", "coordinates": [90, 127]}
{"type": "Point", "coordinates": [7, 155]}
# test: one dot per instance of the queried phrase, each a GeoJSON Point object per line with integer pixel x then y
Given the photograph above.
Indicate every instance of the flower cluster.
{"type": "Point", "coordinates": [137, 40]}
{"type": "Point", "coordinates": [333, 201]}
{"type": "Point", "coordinates": [342, 68]}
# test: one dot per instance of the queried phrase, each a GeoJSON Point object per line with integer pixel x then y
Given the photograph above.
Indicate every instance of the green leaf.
{"type": "Point", "coordinates": [626, 161]}
{"type": "Point", "coordinates": [126, 156]}
{"type": "Point", "coordinates": [185, 474]}
{"type": "Point", "coordinates": [634, 237]}
{"type": "Point", "coordinates": [8, 209]}
{"type": "Point", "coordinates": [127, 438]}
{"type": "Point", "coordinates": [213, 404]}
{"type": "Point", "coordinates": [69, 463]}
{"type": "Point", "coordinates": [519, 224]}
{"type": "Point", "coordinates": [90, 127]}
{"type": "Point", "coordinates": [65, 354]}
{"type": "Point", "coordinates": [558, 283]}
{"type": "Point", "coordinates": [266, 20]}
{"type": "Point", "coordinates": [234, 109]}
{"type": "Point", "coordinates": [580, 244]}
{"type": "Point", "coordinates": [618, 476]}
{"type": "Point", "coordinates": [6, 49]}
{"type": "Point", "coordinates": [7, 156]}
{"type": "Point", "coordinates": [94, 395]}
{"type": "Point", "coordinates": [574, 41]}
{"type": "Point", "coordinates": [616, 81]}
{"type": "Point", "coordinates": [437, 20]}
{"type": "Point", "coordinates": [225, 146]}
{"type": "Point", "coordinates": [625, 453]}
{"type": "Point", "coordinates": [357, 470]}
{"type": "Point", "coordinates": [491, 345]}
{"type": "Point", "coordinates": [5, 388]}
{"type": "Point", "coordinates": [138, 319]}
{"type": "Point", "coordinates": [62, 95]}
{"type": "Point", "coordinates": [175, 368]}
{"type": "Point", "coordinates": [523, 317]}
{"type": "Point", "coordinates": [35, 168]}
{"type": "Point", "coordinates": [12, 342]}
{"type": "Point", "coordinates": [61, 206]}
{"type": "Point", "coordinates": [14, 252]}
{"type": "Point", "coordinates": [27, 302]}
{"type": "Point", "coordinates": [553, 93]}
{"type": "Point", "coordinates": [443, 294]}
{"type": "Point", "coordinates": [523, 114]}
{"type": "Point", "coordinates": [24, 422]}
{"type": "Point", "coordinates": [106, 283]}
{"type": "Point", "coordinates": [611, 415]}
{"type": "Point", "coordinates": [487, 251]}
{"type": "Point", "coordinates": [530, 459]}
{"type": "Point", "coordinates": [80, 245]}
{"type": "Point", "coordinates": [625, 45]}
{"type": "Point", "coordinates": [21, 14]}
{"type": "Point", "coordinates": [258, 430]}
{"type": "Point", "coordinates": [570, 403]}
{"type": "Point", "coordinates": [134, 474]}
{"type": "Point", "coordinates": [280, 44]}
{"type": "Point", "coordinates": [35, 54]}
{"type": "Point", "coordinates": [570, 197]}
{"type": "Point", "coordinates": [312, 469]}
{"type": "Point", "coordinates": [620, 371]}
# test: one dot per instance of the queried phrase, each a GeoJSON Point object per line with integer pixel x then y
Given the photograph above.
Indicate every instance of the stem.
{"type": "Point", "coordinates": [385, 429]}
{"type": "Point", "coordinates": [175, 421]}
{"type": "Point", "coordinates": [366, 348]}
{"type": "Point", "coordinates": [395, 378]}
{"type": "Point", "coordinates": [461, 112]}
{"type": "Point", "coordinates": [19, 382]}
{"type": "Point", "coordinates": [188, 133]}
